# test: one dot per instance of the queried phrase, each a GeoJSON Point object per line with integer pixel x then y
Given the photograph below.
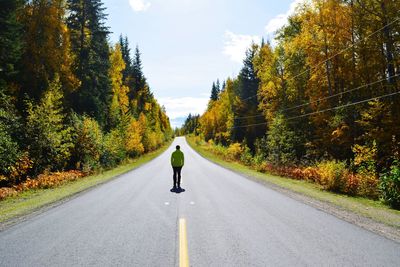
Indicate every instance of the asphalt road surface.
{"type": "Point", "coordinates": [230, 221]}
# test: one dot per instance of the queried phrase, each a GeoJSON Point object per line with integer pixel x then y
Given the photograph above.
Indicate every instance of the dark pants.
{"type": "Point", "coordinates": [177, 176]}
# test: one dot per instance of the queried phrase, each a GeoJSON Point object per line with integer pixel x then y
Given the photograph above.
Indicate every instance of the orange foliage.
{"type": "Point", "coordinates": [43, 181]}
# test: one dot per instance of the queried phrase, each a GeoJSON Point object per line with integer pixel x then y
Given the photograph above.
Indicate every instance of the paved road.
{"type": "Point", "coordinates": [231, 221]}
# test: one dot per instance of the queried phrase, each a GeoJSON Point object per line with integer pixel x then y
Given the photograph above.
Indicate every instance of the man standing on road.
{"type": "Point", "coordinates": [177, 162]}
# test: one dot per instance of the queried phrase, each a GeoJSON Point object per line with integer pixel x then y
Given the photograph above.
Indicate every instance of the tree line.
{"type": "Point", "coordinates": [327, 90]}
{"type": "Point", "coordinates": [69, 99]}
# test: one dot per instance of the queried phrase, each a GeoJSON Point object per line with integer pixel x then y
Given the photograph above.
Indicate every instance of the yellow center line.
{"type": "Point", "coordinates": [183, 244]}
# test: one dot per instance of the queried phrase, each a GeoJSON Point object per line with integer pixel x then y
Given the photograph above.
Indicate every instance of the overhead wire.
{"type": "Point", "coordinates": [338, 53]}
{"type": "Point", "coordinates": [324, 110]}
{"type": "Point", "coordinates": [327, 97]}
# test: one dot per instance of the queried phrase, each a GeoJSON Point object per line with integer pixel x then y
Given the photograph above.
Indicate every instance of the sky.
{"type": "Point", "coordinates": [188, 44]}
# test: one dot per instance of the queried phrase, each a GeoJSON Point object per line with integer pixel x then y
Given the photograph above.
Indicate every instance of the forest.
{"type": "Point", "coordinates": [320, 102]}
{"type": "Point", "coordinates": [71, 102]}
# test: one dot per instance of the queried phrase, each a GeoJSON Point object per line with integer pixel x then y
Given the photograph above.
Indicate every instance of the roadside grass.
{"type": "Point", "coordinates": [32, 200]}
{"type": "Point", "coordinates": [375, 210]}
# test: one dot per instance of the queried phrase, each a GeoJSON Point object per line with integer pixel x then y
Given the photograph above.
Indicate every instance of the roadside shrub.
{"type": "Point", "coordinates": [10, 132]}
{"type": "Point", "coordinates": [9, 151]}
{"type": "Point", "coordinates": [198, 140]}
{"type": "Point", "coordinates": [246, 157]}
{"type": "Point", "coordinates": [88, 143]}
{"type": "Point", "coordinates": [390, 186]}
{"type": "Point", "coordinates": [43, 181]}
{"type": "Point", "coordinates": [332, 175]}
{"type": "Point", "coordinates": [114, 149]}
{"type": "Point", "coordinates": [234, 151]}
{"type": "Point", "coordinates": [220, 150]}
{"type": "Point", "coordinates": [311, 174]}
{"type": "Point", "coordinates": [369, 185]}
{"type": "Point", "coordinates": [7, 192]}
{"type": "Point", "coordinates": [20, 169]}
{"type": "Point", "coordinates": [352, 184]}
{"type": "Point", "coordinates": [49, 139]}
{"type": "Point", "coordinates": [17, 172]}
{"type": "Point", "coordinates": [281, 142]}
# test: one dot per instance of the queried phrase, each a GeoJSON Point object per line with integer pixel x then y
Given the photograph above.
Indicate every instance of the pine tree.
{"type": "Point", "coordinates": [214, 92]}
{"type": "Point", "coordinates": [137, 71]}
{"type": "Point", "coordinates": [248, 126]}
{"type": "Point", "coordinates": [89, 42]}
{"type": "Point", "coordinates": [140, 91]}
{"type": "Point", "coordinates": [10, 40]}
{"type": "Point", "coordinates": [50, 139]}
{"type": "Point", "coordinates": [126, 56]}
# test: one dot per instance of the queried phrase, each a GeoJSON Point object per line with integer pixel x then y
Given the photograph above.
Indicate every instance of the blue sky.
{"type": "Point", "coordinates": [188, 44]}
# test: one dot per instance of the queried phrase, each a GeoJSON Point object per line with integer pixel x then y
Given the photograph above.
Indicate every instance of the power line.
{"type": "Point", "coordinates": [324, 110]}
{"type": "Point", "coordinates": [338, 53]}
{"type": "Point", "coordinates": [344, 92]}
{"type": "Point", "coordinates": [345, 106]}
{"type": "Point", "coordinates": [327, 97]}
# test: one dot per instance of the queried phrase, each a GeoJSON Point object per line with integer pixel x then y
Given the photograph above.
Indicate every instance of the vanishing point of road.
{"type": "Point", "coordinates": [222, 219]}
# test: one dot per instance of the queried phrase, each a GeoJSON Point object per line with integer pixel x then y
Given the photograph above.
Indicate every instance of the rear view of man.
{"type": "Point", "coordinates": [177, 162]}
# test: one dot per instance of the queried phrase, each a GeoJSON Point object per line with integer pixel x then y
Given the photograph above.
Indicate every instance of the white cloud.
{"type": "Point", "coordinates": [237, 44]}
{"type": "Point", "coordinates": [280, 20]}
{"type": "Point", "coordinates": [181, 107]}
{"type": "Point", "coordinates": [139, 5]}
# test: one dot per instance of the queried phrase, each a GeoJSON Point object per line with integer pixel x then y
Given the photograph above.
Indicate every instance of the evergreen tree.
{"type": "Point", "coordinates": [218, 85]}
{"type": "Point", "coordinates": [137, 71]}
{"type": "Point", "coordinates": [89, 42]}
{"type": "Point", "coordinates": [223, 86]}
{"type": "Point", "coordinates": [214, 92]}
{"type": "Point", "coordinates": [140, 91]}
{"type": "Point", "coordinates": [50, 139]}
{"type": "Point", "coordinates": [126, 56]}
{"type": "Point", "coordinates": [246, 123]}
{"type": "Point", "coordinates": [10, 39]}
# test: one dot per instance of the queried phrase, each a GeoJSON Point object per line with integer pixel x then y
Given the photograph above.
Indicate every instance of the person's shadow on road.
{"type": "Point", "coordinates": [177, 190]}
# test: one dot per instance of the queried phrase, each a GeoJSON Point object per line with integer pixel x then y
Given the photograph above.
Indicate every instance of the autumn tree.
{"type": "Point", "coordinates": [86, 22]}
{"type": "Point", "coordinates": [120, 101]}
{"type": "Point", "coordinates": [48, 51]}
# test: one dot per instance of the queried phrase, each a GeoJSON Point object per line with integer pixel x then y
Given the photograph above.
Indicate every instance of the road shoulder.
{"type": "Point", "coordinates": [368, 214]}
{"type": "Point", "coordinates": [29, 204]}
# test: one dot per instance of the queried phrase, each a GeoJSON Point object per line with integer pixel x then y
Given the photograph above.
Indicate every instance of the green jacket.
{"type": "Point", "coordinates": [177, 158]}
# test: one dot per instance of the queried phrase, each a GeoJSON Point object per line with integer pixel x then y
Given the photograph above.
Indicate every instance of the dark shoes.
{"type": "Point", "coordinates": [177, 189]}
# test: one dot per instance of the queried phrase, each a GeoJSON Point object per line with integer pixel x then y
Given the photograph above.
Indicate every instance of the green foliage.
{"type": "Point", "coordinates": [191, 124]}
{"type": "Point", "coordinates": [215, 90]}
{"type": "Point", "coordinates": [9, 151]}
{"type": "Point", "coordinates": [9, 131]}
{"type": "Point", "coordinates": [113, 149]}
{"type": "Point", "coordinates": [390, 186]}
{"type": "Point", "coordinates": [281, 142]}
{"type": "Point", "coordinates": [88, 140]}
{"type": "Point", "coordinates": [90, 45]}
{"type": "Point", "coordinates": [50, 139]}
{"type": "Point", "coordinates": [246, 157]}
{"type": "Point", "coordinates": [11, 44]}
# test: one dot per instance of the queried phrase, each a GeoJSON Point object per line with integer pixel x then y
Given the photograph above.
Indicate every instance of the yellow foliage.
{"type": "Point", "coordinates": [133, 141]}
{"type": "Point", "coordinates": [234, 151]}
{"type": "Point", "coordinates": [120, 101]}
